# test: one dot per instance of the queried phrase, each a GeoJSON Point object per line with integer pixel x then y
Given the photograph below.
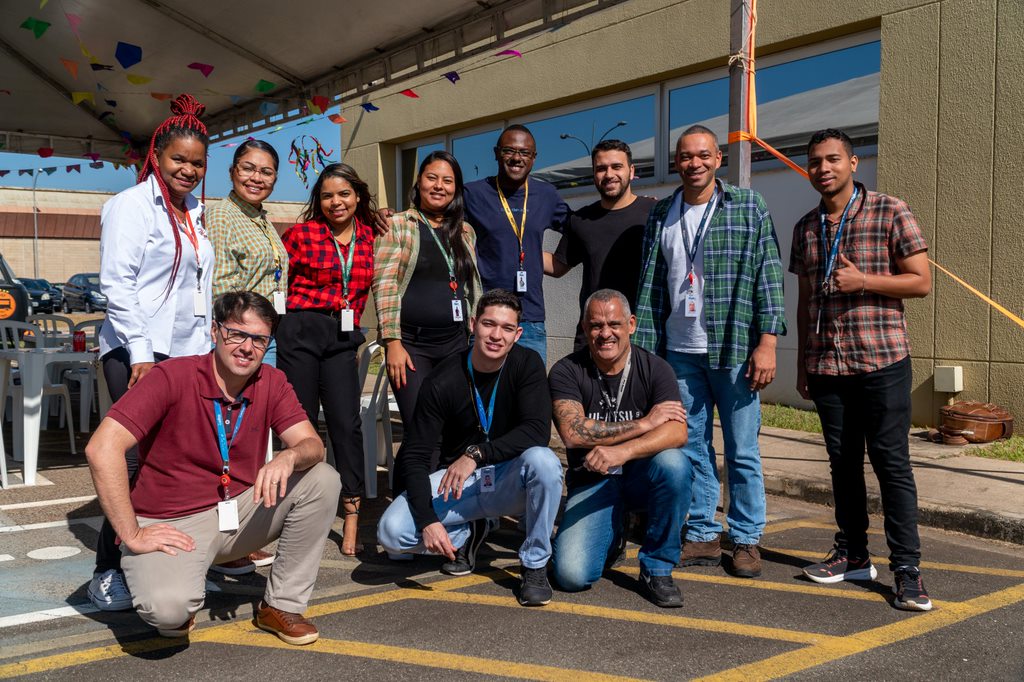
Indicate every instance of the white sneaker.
{"type": "Point", "coordinates": [108, 591]}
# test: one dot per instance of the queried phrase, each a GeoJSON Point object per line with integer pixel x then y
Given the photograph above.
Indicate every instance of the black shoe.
{"type": "Point", "coordinates": [661, 590]}
{"type": "Point", "coordinates": [838, 566]}
{"type": "Point", "coordinates": [535, 590]}
{"type": "Point", "coordinates": [465, 556]}
{"type": "Point", "coordinates": [909, 590]}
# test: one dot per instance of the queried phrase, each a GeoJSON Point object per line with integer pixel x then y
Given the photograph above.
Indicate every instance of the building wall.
{"type": "Point", "coordinates": [949, 125]}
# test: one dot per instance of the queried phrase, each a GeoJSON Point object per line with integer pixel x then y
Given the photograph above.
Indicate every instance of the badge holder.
{"type": "Point", "coordinates": [521, 281]}
{"type": "Point", "coordinates": [348, 320]}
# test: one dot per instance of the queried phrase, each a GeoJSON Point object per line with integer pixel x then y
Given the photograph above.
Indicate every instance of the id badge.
{"type": "Point", "coordinates": [521, 281]}
{"type": "Point", "coordinates": [457, 311]}
{"type": "Point", "coordinates": [690, 304]}
{"type": "Point", "coordinates": [227, 515]}
{"type": "Point", "coordinates": [487, 479]}
{"type": "Point", "coordinates": [279, 305]}
{"type": "Point", "coordinates": [199, 303]}
{"type": "Point", "coordinates": [348, 320]}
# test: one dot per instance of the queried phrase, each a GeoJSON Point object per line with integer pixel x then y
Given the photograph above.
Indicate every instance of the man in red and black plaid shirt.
{"type": "Point", "coordinates": [858, 254]}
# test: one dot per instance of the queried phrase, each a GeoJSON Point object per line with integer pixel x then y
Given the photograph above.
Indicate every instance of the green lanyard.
{"type": "Point", "coordinates": [346, 263]}
{"type": "Point", "coordinates": [448, 259]}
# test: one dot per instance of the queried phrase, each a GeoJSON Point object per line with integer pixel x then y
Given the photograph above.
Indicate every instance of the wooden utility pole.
{"type": "Point", "coordinates": [739, 77]}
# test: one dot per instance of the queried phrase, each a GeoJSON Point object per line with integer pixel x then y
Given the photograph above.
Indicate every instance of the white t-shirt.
{"type": "Point", "coordinates": [685, 334]}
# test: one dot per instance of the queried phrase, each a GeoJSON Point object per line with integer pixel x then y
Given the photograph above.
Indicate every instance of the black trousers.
{"type": "Point", "coordinates": [426, 348]}
{"type": "Point", "coordinates": [117, 370]}
{"type": "Point", "coordinates": [872, 409]}
{"type": "Point", "coordinates": [320, 362]}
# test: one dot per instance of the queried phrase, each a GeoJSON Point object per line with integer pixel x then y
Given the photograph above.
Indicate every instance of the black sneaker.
{"type": "Point", "coordinates": [838, 567]}
{"type": "Point", "coordinates": [465, 556]}
{"type": "Point", "coordinates": [909, 590]}
{"type": "Point", "coordinates": [535, 589]}
{"type": "Point", "coordinates": [661, 590]}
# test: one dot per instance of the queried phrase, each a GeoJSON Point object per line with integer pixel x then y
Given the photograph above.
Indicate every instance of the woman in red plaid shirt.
{"type": "Point", "coordinates": [330, 268]}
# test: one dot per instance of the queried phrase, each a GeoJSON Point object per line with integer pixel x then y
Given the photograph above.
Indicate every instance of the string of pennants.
{"type": "Point", "coordinates": [69, 168]}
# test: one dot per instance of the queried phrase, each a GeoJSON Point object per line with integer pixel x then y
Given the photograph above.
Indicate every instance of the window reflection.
{"type": "Point", "coordinates": [475, 154]}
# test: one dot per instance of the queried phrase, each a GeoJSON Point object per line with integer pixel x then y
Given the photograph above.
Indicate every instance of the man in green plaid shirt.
{"type": "Point", "coordinates": [710, 302]}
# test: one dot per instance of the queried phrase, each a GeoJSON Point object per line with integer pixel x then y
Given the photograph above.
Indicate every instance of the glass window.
{"type": "Point", "coordinates": [411, 158]}
{"type": "Point", "coordinates": [475, 154]}
{"type": "Point", "coordinates": [564, 142]}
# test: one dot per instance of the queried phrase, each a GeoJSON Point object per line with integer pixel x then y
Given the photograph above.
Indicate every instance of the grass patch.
{"type": "Point", "coordinates": [1011, 449]}
{"type": "Point", "coordinates": [785, 417]}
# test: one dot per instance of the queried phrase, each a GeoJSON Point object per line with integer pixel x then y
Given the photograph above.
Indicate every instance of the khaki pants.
{"type": "Point", "coordinates": [167, 589]}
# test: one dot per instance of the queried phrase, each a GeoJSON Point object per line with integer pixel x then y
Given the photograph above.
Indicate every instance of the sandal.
{"type": "Point", "coordinates": [350, 529]}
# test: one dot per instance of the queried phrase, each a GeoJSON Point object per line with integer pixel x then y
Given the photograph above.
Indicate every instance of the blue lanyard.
{"type": "Point", "coordinates": [486, 416]}
{"type": "Point", "coordinates": [830, 262]}
{"type": "Point", "coordinates": [692, 251]}
{"type": "Point", "coordinates": [224, 443]}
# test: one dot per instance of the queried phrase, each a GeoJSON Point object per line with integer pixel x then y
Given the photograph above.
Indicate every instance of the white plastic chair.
{"type": "Point", "coordinates": [375, 413]}
{"type": "Point", "coordinates": [53, 326]}
{"type": "Point", "coordinates": [83, 374]}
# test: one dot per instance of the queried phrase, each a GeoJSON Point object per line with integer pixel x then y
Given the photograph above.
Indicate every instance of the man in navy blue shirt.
{"type": "Point", "coordinates": [510, 213]}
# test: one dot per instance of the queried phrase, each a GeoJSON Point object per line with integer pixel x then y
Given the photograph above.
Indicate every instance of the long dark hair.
{"type": "Point", "coordinates": [451, 222]}
{"type": "Point", "coordinates": [365, 209]}
{"type": "Point", "coordinates": [184, 122]}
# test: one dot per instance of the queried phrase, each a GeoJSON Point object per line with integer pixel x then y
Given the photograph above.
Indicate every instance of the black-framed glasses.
{"type": "Point", "coordinates": [509, 152]}
{"type": "Point", "coordinates": [236, 337]}
{"type": "Point", "coordinates": [247, 169]}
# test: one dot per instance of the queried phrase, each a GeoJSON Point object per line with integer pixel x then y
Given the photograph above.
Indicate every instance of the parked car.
{"type": "Point", "coordinates": [45, 298]}
{"type": "Point", "coordinates": [82, 292]}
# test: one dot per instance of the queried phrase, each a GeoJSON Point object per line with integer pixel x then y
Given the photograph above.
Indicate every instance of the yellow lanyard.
{"type": "Point", "coordinates": [520, 230]}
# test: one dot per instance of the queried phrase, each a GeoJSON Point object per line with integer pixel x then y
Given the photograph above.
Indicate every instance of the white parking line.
{"type": "Point", "coordinates": [46, 614]}
{"type": "Point", "coordinates": [93, 521]}
{"type": "Point", "coordinates": [6, 557]}
{"type": "Point", "coordinates": [47, 503]}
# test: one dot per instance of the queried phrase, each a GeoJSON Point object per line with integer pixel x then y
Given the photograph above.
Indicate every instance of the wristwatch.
{"type": "Point", "coordinates": [473, 452]}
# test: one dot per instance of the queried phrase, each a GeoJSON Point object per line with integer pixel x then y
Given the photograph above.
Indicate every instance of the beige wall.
{"type": "Point", "coordinates": [58, 258]}
{"type": "Point", "coordinates": [950, 125]}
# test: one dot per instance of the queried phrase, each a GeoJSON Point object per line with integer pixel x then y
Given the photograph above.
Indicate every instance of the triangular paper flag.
{"type": "Point", "coordinates": [111, 102]}
{"type": "Point", "coordinates": [127, 55]}
{"type": "Point", "coordinates": [511, 53]}
{"type": "Point", "coordinates": [96, 164]}
{"type": "Point", "coordinates": [71, 65]}
{"type": "Point", "coordinates": [4, 172]}
{"type": "Point", "coordinates": [101, 87]}
{"type": "Point", "coordinates": [268, 108]}
{"type": "Point", "coordinates": [26, 171]}
{"type": "Point", "coordinates": [312, 107]}
{"type": "Point", "coordinates": [136, 79]}
{"type": "Point", "coordinates": [37, 26]}
{"type": "Point", "coordinates": [205, 69]}
{"type": "Point", "coordinates": [409, 93]}
{"type": "Point", "coordinates": [79, 97]}
{"type": "Point", "coordinates": [264, 86]}
{"type": "Point", "coordinates": [73, 168]}
{"type": "Point", "coordinates": [105, 114]}
{"type": "Point", "coordinates": [49, 171]}
{"type": "Point", "coordinates": [161, 95]}
{"type": "Point", "coordinates": [92, 155]}
{"type": "Point", "coordinates": [321, 102]}
{"type": "Point", "coordinates": [337, 118]}
{"type": "Point", "coordinates": [452, 76]}
{"type": "Point", "coordinates": [96, 66]}
{"type": "Point", "coordinates": [73, 21]}
{"type": "Point", "coordinates": [369, 106]}
{"type": "Point", "coordinates": [45, 152]}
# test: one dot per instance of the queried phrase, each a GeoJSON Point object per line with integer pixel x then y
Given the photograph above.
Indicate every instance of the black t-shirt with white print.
{"type": "Point", "coordinates": [576, 377]}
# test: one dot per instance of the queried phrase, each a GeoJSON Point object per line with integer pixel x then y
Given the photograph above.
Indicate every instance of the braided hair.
{"type": "Point", "coordinates": [184, 122]}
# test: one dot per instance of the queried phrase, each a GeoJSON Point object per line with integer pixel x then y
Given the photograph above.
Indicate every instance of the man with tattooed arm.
{"type": "Point", "coordinates": [618, 411]}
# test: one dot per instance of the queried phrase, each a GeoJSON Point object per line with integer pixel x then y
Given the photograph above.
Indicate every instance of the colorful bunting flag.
{"type": "Point", "coordinates": [79, 97]}
{"type": "Point", "coordinates": [337, 118]}
{"type": "Point", "coordinates": [73, 168]}
{"type": "Point", "coordinates": [96, 164]}
{"type": "Point", "coordinates": [92, 155]}
{"type": "Point", "coordinates": [101, 87]}
{"type": "Point", "coordinates": [264, 86]}
{"type": "Point", "coordinates": [73, 21]}
{"type": "Point", "coordinates": [161, 96]}
{"type": "Point", "coordinates": [408, 92]}
{"type": "Point", "coordinates": [37, 26]}
{"type": "Point", "coordinates": [205, 69]}
{"type": "Point", "coordinates": [321, 102]}
{"type": "Point", "coordinates": [111, 102]}
{"type": "Point", "coordinates": [71, 65]}
{"type": "Point", "coordinates": [369, 106]}
{"type": "Point", "coordinates": [268, 108]}
{"type": "Point", "coordinates": [127, 55]}
{"type": "Point", "coordinates": [26, 171]}
{"type": "Point", "coordinates": [511, 53]}
{"type": "Point", "coordinates": [45, 152]}
{"type": "Point", "coordinates": [49, 171]}
{"type": "Point", "coordinates": [42, 3]}
{"type": "Point", "coordinates": [85, 52]}
{"type": "Point", "coordinates": [4, 172]}
{"type": "Point", "coordinates": [136, 79]}
{"type": "Point", "coordinates": [452, 76]}
{"type": "Point", "coordinates": [312, 108]}
{"type": "Point", "coordinates": [96, 66]}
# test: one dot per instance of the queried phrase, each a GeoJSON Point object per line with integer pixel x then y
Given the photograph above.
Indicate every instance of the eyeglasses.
{"type": "Point", "coordinates": [236, 337]}
{"type": "Point", "coordinates": [509, 152]}
{"type": "Point", "coordinates": [247, 169]}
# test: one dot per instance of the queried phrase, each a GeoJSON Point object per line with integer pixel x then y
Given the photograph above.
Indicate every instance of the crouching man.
{"type": "Point", "coordinates": [490, 409]}
{"type": "Point", "coordinates": [204, 494]}
{"type": "Point", "coordinates": [618, 411]}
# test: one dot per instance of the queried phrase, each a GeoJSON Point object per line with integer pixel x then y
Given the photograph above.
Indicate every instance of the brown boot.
{"type": "Point", "coordinates": [180, 631]}
{"type": "Point", "coordinates": [290, 627]}
{"type": "Point", "coordinates": [746, 561]}
{"type": "Point", "coordinates": [350, 530]}
{"type": "Point", "coordinates": [701, 553]}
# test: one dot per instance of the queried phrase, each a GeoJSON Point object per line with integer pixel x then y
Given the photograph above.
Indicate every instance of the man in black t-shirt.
{"type": "Point", "coordinates": [607, 235]}
{"type": "Point", "coordinates": [618, 411]}
{"type": "Point", "coordinates": [489, 409]}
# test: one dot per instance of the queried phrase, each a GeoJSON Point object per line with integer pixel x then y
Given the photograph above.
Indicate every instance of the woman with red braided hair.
{"type": "Point", "coordinates": [156, 267]}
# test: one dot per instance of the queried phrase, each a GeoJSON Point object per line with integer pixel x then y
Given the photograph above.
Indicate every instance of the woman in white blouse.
{"type": "Point", "coordinates": [156, 268]}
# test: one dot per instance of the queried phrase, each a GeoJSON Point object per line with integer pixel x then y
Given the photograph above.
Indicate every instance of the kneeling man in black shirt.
{"type": "Point", "coordinates": [490, 408]}
{"type": "Point", "coordinates": [617, 408]}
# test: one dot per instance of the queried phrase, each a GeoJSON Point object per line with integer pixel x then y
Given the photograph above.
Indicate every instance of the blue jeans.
{"type": "Point", "coordinates": [535, 337]}
{"type": "Point", "coordinates": [592, 524]}
{"type": "Point", "coordinates": [529, 485]}
{"type": "Point", "coordinates": [270, 357]}
{"type": "Point", "coordinates": [739, 410]}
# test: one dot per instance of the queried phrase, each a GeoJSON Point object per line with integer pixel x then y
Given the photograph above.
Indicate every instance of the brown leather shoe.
{"type": "Point", "coordinates": [746, 561]}
{"type": "Point", "coordinates": [180, 631]}
{"type": "Point", "coordinates": [701, 553]}
{"type": "Point", "coordinates": [290, 627]}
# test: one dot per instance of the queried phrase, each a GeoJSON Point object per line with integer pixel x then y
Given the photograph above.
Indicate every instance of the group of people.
{"type": "Point", "coordinates": [681, 306]}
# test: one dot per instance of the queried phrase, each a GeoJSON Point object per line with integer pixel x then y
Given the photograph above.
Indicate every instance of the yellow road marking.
{"type": "Point", "coordinates": [73, 658]}
{"type": "Point", "coordinates": [418, 657]}
{"type": "Point", "coordinates": [959, 568]}
{"type": "Point", "coordinates": [700, 624]}
{"type": "Point", "coordinates": [860, 642]}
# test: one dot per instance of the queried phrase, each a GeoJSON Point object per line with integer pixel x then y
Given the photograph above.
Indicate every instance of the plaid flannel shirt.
{"type": "Point", "coordinates": [742, 278]}
{"type": "Point", "coordinates": [395, 254]}
{"type": "Point", "coordinates": [247, 248]}
{"type": "Point", "coordinates": [314, 279]}
{"type": "Point", "coordinates": [859, 332]}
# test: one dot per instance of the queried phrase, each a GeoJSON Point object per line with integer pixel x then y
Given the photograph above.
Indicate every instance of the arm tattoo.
{"type": "Point", "coordinates": [569, 415]}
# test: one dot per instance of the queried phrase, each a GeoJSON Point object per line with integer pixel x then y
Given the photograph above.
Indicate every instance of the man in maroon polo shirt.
{"type": "Point", "coordinates": [203, 493]}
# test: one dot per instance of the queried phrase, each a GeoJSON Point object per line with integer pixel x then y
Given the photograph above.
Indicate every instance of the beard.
{"type": "Point", "coordinates": [614, 192]}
